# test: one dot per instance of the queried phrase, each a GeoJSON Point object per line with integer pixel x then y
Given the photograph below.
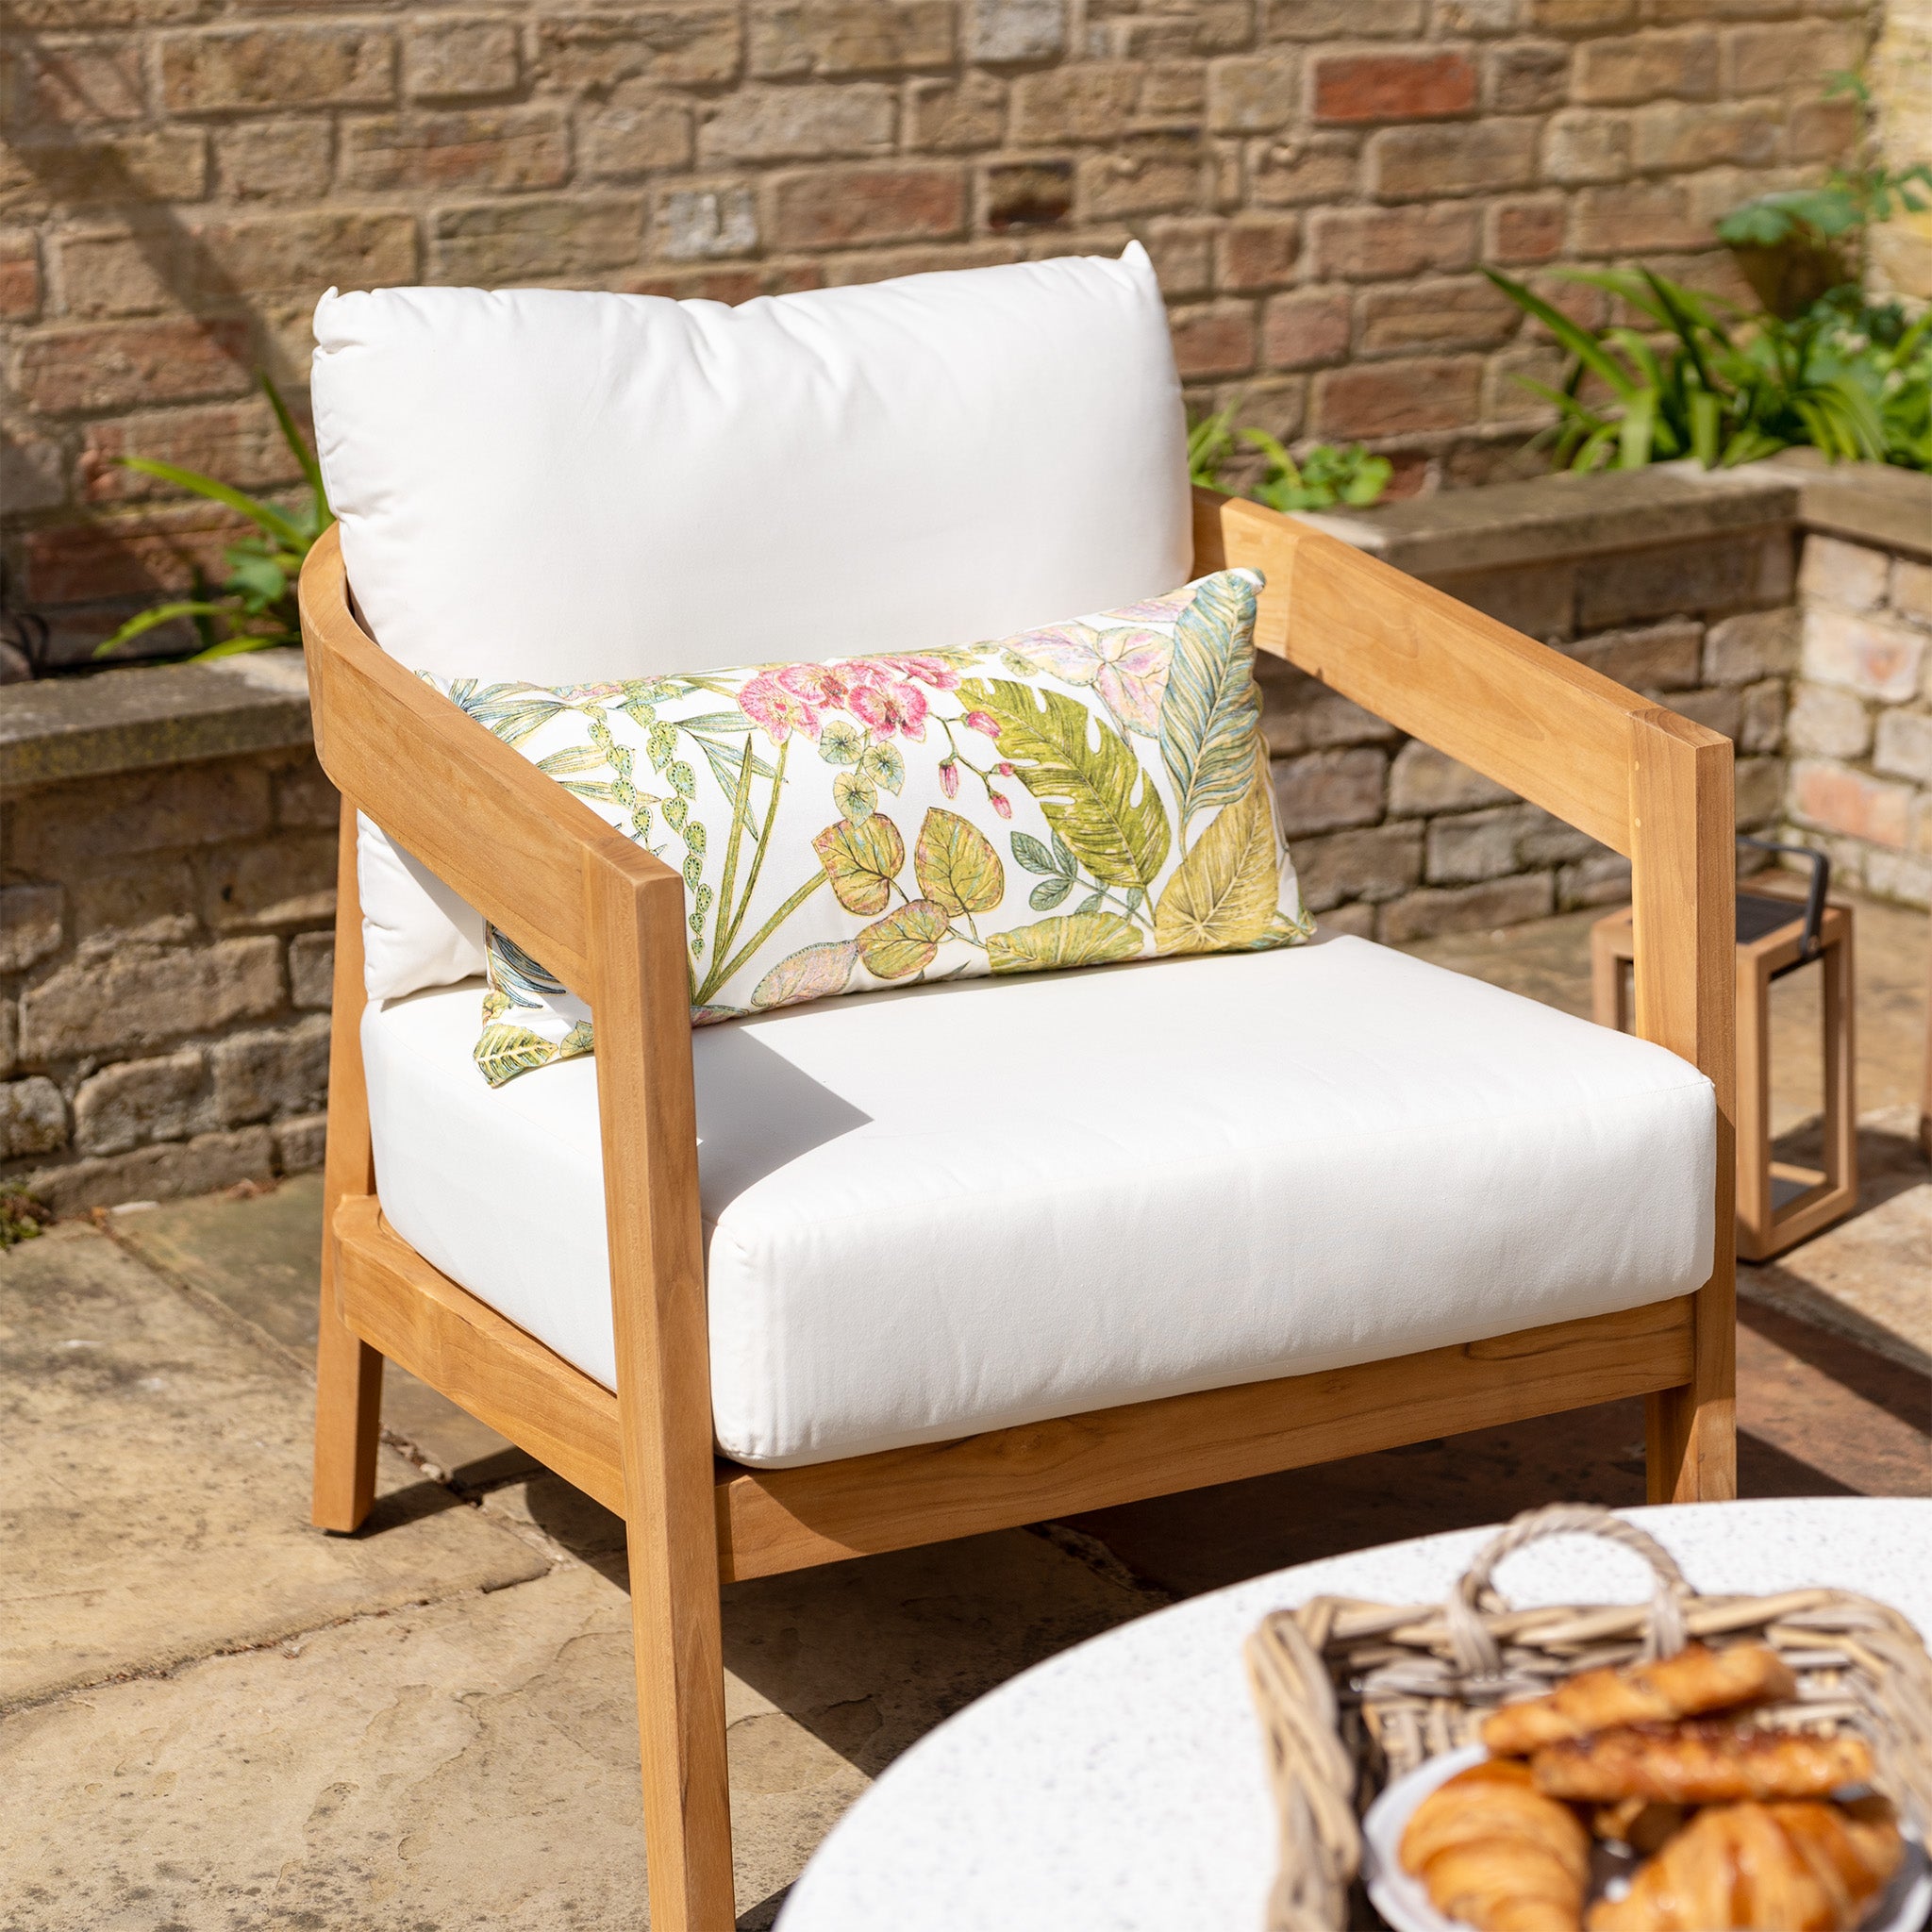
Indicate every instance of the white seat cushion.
{"type": "Point", "coordinates": [968, 1206]}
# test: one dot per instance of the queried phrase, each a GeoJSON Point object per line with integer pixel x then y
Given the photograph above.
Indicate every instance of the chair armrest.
{"type": "Point", "coordinates": [511, 842]}
{"type": "Point", "coordinates": [1645, 782]}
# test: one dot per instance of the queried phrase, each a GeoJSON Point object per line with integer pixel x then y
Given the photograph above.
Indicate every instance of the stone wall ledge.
{"type": "Point", "coordinates": [59, 728]}
{"type": "Point", "coordinates": [1565, 516]}
{"type": "Point", "coordinates": [1878, 504]}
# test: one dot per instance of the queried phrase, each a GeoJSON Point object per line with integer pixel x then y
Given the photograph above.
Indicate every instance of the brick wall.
{"type": "Point", "coordinates": [166, 958]}
{"type": "Point", "coordinates": [1860, 729]}
{"type": "Point", "coordinates": [1901, 76]}
{"type": "Point", "coordinates": [1318, 183]}
{"type": "Point", "coordinates": [1678, 588]}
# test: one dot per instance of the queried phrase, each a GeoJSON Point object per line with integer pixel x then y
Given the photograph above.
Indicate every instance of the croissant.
{"type": "Point", "coordinates": [1694, 1680]}
{"type": "Point", "coordinates": [1804, 1867]}
{"type": "Point", "coordinates": [1496, 1854]}
{"type": "Point", "coordinates": [1700, 1763]}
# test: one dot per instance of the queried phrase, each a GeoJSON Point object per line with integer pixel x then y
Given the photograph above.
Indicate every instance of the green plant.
{"type": "Point", "coordinates": [21, 1217]}
{"type": "Point", "coordinates": [1324, 475]}
{"type": "Point", "coordinates": [255, 606]}
{"type": "Point", "coordinates": [1723, 389]}
{"type": "Point", "coordinates": [1847, 202]}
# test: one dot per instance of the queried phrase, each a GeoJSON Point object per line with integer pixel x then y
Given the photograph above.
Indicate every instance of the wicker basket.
{"type": "Point", "coordinates": [1353, 1694]}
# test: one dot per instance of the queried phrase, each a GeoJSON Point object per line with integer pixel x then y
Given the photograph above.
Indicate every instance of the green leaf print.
{"type": "Point", "coordinates": [855, 795]}
{"type": "Point", "coordinates": [1081, 939]}
{"type": "Point", "coordinates": [861, 862]}
{"type": "Point", "coordinates": [573, 760]}
{"type": "Point", "coordinates": [1094, 795]}
{"type": "Point", "coordinates": [1049, 893]}
{"type": "Point", "coordinates": [905, 942]}
{"type": "Point", "coordinates": [842, 743]}
{"type": "Point", "coordinates": [1223, 893]}
{"type": "Point", "coordinates": [1209, 714]}
{"type": "Point", "coordinates": [955, 865]}
{"type": "Point", "coordinates": [812, 973]}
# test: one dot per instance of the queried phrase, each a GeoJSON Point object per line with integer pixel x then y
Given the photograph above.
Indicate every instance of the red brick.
{"type": "Point", "coordinates": [1217, 339]}
{"type": "Point", "coordinates": [1529, 231]}
{"type": "Point", "coordinates": [502, 148]}
{"type": "Point", "coordinates": [1376, 244]}
{"type": "Point", "coordinates": [1259, 252]}
{"type": "Point", "coordinates": [121, 366]}
{"type": "Point", "coordinates": [124, 557]}
{"type": "Point", "coordinates": [835, 208]}
{"type": "Point", "coordinates": [1422, 162]}
{"type": "Point", "coordinates": [1839, 799]}
{"type": "Point", "coordinates": [239, 442]}
{"type": "Point", "coordinates": [1392, 87]}
{"type": "Point", "coordinates": [1642, 67]}
{"type": "Point", "coordinates": [20, 276]}
{"type": "Point", "coordinates": [1305, 329]}
{"type": "Point", "coordinates": [1398, 398]}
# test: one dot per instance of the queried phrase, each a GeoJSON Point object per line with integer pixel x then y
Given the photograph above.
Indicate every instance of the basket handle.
{"type": "Point", "coordinates": [1476, 1649]}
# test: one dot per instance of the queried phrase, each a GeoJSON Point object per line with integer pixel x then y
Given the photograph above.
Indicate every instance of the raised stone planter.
{"type": "Point", "coordinates": [167, 871]}
{"type": "Point", "coordinates": [167, 889]}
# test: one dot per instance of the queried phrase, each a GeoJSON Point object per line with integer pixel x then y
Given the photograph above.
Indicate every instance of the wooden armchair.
{"type": "Point", "coordinates": [607, 918]}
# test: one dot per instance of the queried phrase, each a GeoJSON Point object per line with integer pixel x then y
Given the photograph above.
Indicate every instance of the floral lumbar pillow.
{"type": "Point", "coordinates": [1089, 793]}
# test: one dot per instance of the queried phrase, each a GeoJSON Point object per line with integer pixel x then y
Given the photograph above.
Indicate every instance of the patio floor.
{"type": "Point", "coordinates": [226, 1721]}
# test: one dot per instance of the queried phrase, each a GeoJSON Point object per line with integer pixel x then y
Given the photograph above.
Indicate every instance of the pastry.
{"type": "Point", "coordinates": [1637, 1823]}
{"type": "Point", "coordinates": [1711, 1762]}
{"type": "Point", "coordinates": [1496, 1854]}
{"type": "Point", "coordinates": [1805, 1867]}
{"type": "Point", "coordinates": [1693, 1681]}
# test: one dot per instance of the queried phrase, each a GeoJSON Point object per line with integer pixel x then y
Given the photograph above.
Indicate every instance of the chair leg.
{"type": "Point", "coordinates": [1690, 1433]}
{"type": "Point", "coordinates": [681, 1677]}
{"type": "Point", "coordinates": [348, 1373]}
{"type": "Point", "coordinates": [348, 1421]}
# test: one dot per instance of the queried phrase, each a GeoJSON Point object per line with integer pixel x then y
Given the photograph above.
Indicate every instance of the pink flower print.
{"type": "Point", "coordinates": [887, 708]}
{"type": "Point", "coordinates": [949, 776]}
{"type": "Point", "coordinates": [778, 711]}
{"type": "Point", "coordinates": [999, 803]}
{"type": "Point", "coordinates": [1005, 769]}
{"type": "Point", "coordinates": [821, 687]}
{"type": "Point", "coordinates": [982, 721]}
{"type": "Point", "coordinates": [927, 670]}
{"type": "Point", "coordinates": [1127, 667]}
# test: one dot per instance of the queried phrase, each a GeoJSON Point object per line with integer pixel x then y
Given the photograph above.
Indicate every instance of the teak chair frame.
{"type": "Point", "coordinates": [608, 918]}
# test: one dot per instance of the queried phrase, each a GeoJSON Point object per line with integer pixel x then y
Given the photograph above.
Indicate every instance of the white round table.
{"type": "Point", "coordinates": [1119, 1787]}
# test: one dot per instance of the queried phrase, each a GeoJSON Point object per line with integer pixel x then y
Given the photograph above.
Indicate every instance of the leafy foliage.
{"type": "Point", "coordinates": [20, 1216]}
{"type": "Point", "coordinates": [256, 607]}
{"type": "Point", "coordinates": [1847, 202]}
{"type": "Point", "coordinates": [1325, 475]}
{"type": "Point", "coordinates": [1708, 382]}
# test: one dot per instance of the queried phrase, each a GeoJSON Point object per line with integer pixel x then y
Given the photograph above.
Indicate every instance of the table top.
{"type": "Point", "coordinates": [1119, 1787]}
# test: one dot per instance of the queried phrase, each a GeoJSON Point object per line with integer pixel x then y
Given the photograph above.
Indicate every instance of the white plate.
{"type": "Point", "coordinates": [1402, 1900]}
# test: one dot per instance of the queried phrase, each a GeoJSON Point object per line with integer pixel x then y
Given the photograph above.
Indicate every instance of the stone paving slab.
{"type": "Point", "coordinates": [154, 1485]}
{"type": "Point", "coordinates": [474, 1764]}
{"type": "Point", "coordinates": [260, 1257]}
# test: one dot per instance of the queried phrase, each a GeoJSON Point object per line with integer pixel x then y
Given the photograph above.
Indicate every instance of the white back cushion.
{"type": "Point", "coordinates": [559, 486]}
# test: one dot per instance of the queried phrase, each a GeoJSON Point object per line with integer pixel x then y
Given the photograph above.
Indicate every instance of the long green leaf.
{"type": "Point", "coordinates": [269, 517]}
{"type": "Point", "coordinates": [1575, 338]}
{"type": "Point", "coordinates": [1209, 713]}
{"type": "Point", "coordinates": [157, 615]}
{"type": "Point", "coordinates": [298, 449]}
